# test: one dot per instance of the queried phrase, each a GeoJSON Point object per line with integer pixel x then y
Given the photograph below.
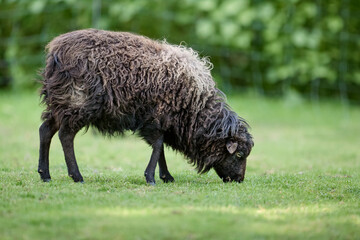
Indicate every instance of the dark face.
{"type": "Point", "coordinates": [233, 167]}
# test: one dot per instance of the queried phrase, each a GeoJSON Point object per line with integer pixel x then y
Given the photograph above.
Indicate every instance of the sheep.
{"type": "Point", "coordinates": [118, 81]}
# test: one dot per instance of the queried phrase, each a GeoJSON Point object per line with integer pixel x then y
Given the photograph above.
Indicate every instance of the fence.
{"type": "Point", "coordinates": [271, 47]}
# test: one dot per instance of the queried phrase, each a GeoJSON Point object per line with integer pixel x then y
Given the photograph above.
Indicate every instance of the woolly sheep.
{"type": "Point", "coordinates": [117, 81]}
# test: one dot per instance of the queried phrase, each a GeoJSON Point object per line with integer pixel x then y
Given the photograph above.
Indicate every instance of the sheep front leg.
{"type": "Point", "coordinates": [157, 146]}
{"type": "Point", "coordinates": [163, 170]}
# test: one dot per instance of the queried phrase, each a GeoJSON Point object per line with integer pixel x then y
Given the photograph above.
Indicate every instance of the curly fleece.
{"type": "Point", "coordinates": [118, 81]}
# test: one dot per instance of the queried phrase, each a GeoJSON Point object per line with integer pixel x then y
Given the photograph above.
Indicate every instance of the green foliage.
{"type": "Point", "coordinates": [302, 181]}
{"type": "Point", "coordinates": [266, 44]}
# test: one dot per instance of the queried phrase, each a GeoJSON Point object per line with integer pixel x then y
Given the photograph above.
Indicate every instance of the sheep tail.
{"type": "Point", "coordinates": [52, 62]}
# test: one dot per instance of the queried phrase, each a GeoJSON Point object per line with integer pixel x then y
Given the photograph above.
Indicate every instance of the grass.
{"type": "Point", "coordinates": [302, 181]}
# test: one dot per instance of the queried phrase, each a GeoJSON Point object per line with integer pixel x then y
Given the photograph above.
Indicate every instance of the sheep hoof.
{"type": "Point", "coordinates": [78, 178]}
{"type": "Point", "coordinates": [152, 183]}
{"type": "Point", "coordinates": [46, 179]}
{"type": "Point", "coordinates": [149, 179]}
{"type": "Point", "coordinates": [44, 175]}
{"type": "Point", "coordinates": [167, 178]}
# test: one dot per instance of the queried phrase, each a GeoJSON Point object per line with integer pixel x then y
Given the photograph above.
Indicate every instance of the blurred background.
{"type": "Point", "coordinates": [306, 49]}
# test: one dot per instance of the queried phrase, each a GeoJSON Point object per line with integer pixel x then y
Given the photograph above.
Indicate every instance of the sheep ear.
{"type": "Point", "coordinates": [231, 146]}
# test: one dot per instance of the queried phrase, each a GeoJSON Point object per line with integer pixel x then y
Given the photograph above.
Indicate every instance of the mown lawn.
{"type": "Point", "coordinates": [302, 181]}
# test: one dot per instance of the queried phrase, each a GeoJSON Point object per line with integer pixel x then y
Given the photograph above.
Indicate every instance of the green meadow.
{"type": "Point", "coordinates": [302, 180]}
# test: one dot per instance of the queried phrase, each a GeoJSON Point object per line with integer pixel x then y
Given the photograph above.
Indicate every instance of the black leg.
{"type": "Point", "coordinates": [67, 135]}
{"type": "Point", "coordinates": [46, 132]}
{"type": "Point", "coordinates": [163, 170]}
{"type": "Point", "coordinates": [157, 146]}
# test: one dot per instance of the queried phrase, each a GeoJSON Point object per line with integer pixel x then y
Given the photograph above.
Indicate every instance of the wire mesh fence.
{"type": "Point", "coordinates": [272, 48]}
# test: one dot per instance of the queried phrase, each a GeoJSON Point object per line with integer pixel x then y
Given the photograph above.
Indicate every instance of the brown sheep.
{"type": "Point", "coordinates": [117, 81]}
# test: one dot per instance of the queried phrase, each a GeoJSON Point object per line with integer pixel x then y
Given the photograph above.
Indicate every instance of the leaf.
{"type": "Point", "coordinates": [206, 5]}
{"type": "Point", "coordinates": [309, 9]}
{"type": "Point", "coordinates": [275, 47]}
{"type": "Point", "coordinates": [313, 39]}
{"type": "Point", "coordinates": [246, 17]}
{"type": "Point", "coordinates": [334, 24]}
{"type": "Point", "coordinates": [356, 77]}
{"type": "Point", "coordinates": [233, 7]}
{"type": "Point", "coordinates": [229, 29]}
{"type": "Point", "coordinates": [319, 71]}
{"type": "Point", "coordinates": [265, 11]}
{"type": "Point", "coordinates": [299, 38]}
{"type": "Point", "coordinates": [205, 28]}
{"type": "Point", "coordinates": [37, 6]}
{"type": "Point", "coordinates": [243, 40]}
{"type": "Point", "coordinates": [272, 76]}
{"type": "Point", "coordinates": [285, 71]}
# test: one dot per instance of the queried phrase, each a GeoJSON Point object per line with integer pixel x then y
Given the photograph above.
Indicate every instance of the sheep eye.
{"type": "Point", "coordinates": [239, 154]}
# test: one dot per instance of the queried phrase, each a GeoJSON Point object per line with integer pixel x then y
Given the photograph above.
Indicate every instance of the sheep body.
{"type": "Point", "coordinates": [118, 81]}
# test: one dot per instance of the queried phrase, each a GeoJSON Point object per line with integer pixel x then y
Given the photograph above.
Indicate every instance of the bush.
{"type": "Point", "coordinates": [274, 46]}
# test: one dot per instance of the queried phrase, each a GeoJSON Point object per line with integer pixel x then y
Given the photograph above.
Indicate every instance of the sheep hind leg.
{"type": "Point", "coordinates": [157, 146]}
{"type": "Point", "coordinates": [66, 136]}
{"type": "Point", "coordinates": [163, 170]}
{"type": "Point", "coordinates": [46, 132]}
